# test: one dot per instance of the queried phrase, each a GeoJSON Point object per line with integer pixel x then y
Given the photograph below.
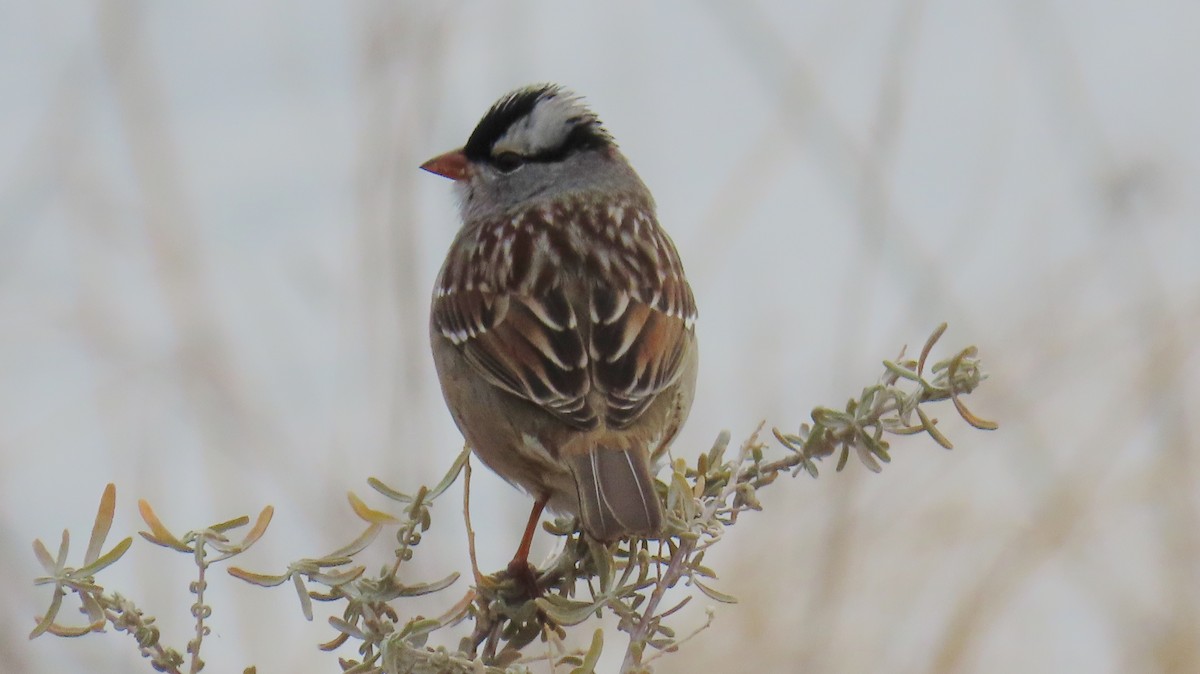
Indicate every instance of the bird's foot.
{"type": "Point", "coordinates": [525, 576]}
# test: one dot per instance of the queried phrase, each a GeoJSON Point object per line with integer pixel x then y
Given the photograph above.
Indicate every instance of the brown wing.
{"type": "Point", "coordinates": [501, 300]}
{"type": "Point", "coordinates": [640, 329]}
{"type": "Point", "coordinates": [530, 347]}
{"type": "Point", "coordinates": [637, 346]}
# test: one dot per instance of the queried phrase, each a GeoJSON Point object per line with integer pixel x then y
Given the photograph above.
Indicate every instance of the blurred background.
{"type": "Point", "coordinates": [216, 253]}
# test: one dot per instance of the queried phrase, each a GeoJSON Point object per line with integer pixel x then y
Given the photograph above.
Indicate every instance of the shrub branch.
{"type": "Point", "coordinates": [633, 579]}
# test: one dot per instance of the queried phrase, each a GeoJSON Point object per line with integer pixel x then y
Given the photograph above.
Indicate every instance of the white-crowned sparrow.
{"type": "Point", "coordinates": [562, 323]}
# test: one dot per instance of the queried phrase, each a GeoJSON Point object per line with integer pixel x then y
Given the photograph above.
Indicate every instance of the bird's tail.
{"type": "Point", "coordinates": [616, 493]}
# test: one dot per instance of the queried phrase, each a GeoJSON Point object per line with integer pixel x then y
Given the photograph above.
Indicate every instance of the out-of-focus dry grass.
{"type": "Point", "coordinates": [215, 253]}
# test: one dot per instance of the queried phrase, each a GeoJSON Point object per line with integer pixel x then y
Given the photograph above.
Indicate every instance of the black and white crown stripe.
{"type": "Point", "coordinates": [539, 123]}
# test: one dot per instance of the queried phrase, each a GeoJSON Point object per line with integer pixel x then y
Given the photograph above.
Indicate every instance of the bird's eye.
{"type": "Point", "coordinates": [507, 162]}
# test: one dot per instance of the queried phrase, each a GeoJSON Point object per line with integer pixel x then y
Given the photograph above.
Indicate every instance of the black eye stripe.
{"type": "Point", "coordinates": [580, 138]}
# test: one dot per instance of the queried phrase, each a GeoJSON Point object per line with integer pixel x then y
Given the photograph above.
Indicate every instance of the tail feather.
{"type": "Point", "coordinates": [616, 493]}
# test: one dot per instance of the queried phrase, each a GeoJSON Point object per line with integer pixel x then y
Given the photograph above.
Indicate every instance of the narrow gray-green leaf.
{"type": "Point", "coordinates": [104, 560]}
{"type": "Point", "coordinates": [51, 613]}
{"type": "Point", "coordinates": [714, 594]}
{"type": "Point", "coordinates": [358, 544]}
{"type": "Point", "coordinates": [387, 491]}
{"type": "Point", "coordinates": [451, 475]}
{"type": "Point", "coordinates": [565, 611]}
{"type": "Point", "coordinates": [588, 666]}
{"type": "Point", "coordinates": [43, 555]}
{"type": "Point", "coordinates": [426, 588]}
{"type": "Point", "coordinates": [302, 593]}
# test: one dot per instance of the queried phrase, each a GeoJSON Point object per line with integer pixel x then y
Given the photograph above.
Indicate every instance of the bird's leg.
{"type": "Point", "coordinates": [519, 568]}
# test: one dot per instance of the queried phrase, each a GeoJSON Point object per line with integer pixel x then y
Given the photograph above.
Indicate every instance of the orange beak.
{"type": "Point", "coordinates": [452, 165]}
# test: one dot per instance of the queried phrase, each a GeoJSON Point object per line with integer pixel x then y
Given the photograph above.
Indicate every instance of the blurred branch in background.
{"type": "Point", "coordinates": [208, 366]}
{"type": "Point", "coordinates": [392, 139]}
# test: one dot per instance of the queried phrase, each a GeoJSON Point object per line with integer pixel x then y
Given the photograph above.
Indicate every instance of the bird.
{"type": "Point", "coordinates": [562, 324]}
